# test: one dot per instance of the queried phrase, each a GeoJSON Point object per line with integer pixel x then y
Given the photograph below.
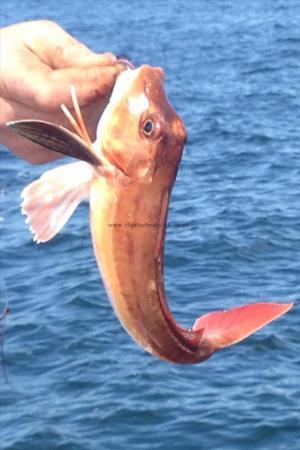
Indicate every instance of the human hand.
{"type": "Point", "coordinates": [39, 62]}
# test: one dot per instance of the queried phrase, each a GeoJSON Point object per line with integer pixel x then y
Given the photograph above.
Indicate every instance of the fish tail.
{"type": "Point", "coordinates": [224, 328]}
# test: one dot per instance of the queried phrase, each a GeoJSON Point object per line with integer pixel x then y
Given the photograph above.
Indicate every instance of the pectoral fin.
{"type": "Point", "coordinates": [224, 328]}
{"type": "Point", "coordinates": [55, 137]}
{"type": "Point", "coordinates": [49, 201]}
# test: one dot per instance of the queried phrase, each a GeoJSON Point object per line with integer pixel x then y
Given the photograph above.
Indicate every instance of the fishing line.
{"type": "Point", "coordinates": [3, 316]}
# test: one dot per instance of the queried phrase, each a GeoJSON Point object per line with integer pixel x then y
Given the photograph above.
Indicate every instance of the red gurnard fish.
{"type": "Point", "coordinates": [128, 173]}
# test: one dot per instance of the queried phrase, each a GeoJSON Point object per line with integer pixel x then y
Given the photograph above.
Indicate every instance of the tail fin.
{"type": "Point", "coordinates": [224, 328]}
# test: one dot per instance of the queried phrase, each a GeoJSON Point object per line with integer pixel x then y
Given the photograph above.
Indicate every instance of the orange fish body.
{"type": "Point", "coordinates": [129, 173]}
{"type": "Point", "coordinates": [128, 219]}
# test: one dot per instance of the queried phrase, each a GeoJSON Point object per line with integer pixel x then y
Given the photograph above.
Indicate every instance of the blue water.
{"type": "Point", "coordinates": [76, 381]}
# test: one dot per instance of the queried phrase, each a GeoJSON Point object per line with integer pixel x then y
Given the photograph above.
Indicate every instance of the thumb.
{"type": "Point", "coordinates": [59, 50]}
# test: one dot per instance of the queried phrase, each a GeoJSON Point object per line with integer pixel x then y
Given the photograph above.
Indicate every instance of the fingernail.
{"type": "Point", "coordinates": [110, 57]}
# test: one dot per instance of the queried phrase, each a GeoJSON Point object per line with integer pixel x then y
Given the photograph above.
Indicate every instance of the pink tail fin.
{"type": "Point", "coordinates": [224, 328]}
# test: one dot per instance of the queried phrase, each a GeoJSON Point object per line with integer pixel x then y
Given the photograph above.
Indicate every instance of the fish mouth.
{"type": "Point", "coordinates": [112, 161]}
{"type": "Point", "coordinates": [141, 174]}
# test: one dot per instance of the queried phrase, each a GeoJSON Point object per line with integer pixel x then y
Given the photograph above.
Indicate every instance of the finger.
{"type": "Point", "coordinates": [73, 57]}
{"type": "Point", "coordinates": [91, 84]}
{"type": "Point", "coordinates": [45, 92]}
{"type": "Point", "coordinates": [58, 49]}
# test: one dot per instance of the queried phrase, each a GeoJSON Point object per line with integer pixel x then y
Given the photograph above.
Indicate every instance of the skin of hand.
{"type": "Point", "coordinates": [38, 63]}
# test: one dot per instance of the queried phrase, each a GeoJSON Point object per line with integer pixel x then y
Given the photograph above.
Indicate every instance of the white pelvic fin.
{"type": "Point", "coordinates": [50, 201]}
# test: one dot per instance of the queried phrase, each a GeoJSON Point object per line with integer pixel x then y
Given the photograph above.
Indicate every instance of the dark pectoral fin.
{"type": "Point", "coordinates": [55, 137]}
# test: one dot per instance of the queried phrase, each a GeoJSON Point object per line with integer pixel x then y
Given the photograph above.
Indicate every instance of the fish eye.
{"type": "Point", "coordinates": [148, 127]}
{"type": "Point", "coordinates": [151, 127]}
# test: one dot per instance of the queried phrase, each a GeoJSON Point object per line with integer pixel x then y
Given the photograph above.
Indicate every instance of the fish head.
{"type": "Point", "coordinates": [139, 131]}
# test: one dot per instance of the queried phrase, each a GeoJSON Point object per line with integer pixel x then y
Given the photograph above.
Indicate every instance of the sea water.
{"type": "Point", "coordinates": [75, 380]}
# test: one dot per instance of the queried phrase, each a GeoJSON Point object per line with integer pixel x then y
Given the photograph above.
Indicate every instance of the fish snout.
{"type": "Point", "coordinates": [149, 74]}
{"type": "Point", "coordinates": [179, 130]}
